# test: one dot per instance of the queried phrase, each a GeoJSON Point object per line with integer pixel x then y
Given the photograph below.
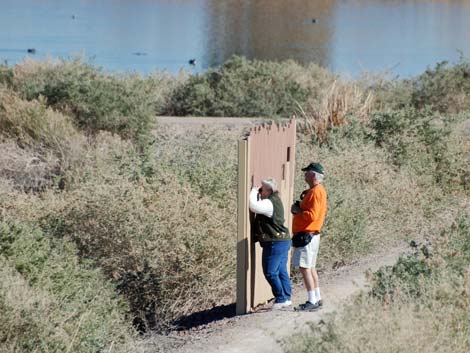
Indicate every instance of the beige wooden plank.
{"type": "Point", "coordinates": [242, 305]}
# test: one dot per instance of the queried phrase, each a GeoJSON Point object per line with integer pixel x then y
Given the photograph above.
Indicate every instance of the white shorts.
{"type": "Point", "coordinates": [306, 256]}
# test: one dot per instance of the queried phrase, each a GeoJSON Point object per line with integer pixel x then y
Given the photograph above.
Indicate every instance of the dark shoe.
{"type": "Point", "coordinates": [320, 302]}
{"type": "Point", "coordinates": [307, 306]}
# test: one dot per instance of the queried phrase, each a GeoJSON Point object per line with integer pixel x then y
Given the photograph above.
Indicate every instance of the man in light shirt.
{"type": "Point", "coordinates": [269, 229]}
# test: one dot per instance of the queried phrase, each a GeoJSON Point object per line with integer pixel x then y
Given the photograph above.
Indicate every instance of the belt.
{"type": "Point", "coordinates": [311, 233]}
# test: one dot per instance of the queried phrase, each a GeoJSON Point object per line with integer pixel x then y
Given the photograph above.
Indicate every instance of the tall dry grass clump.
{"type": "Point", "coordinates": [338, 101]}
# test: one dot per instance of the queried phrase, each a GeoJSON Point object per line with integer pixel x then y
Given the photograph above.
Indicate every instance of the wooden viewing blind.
{"type": "Point", "coordinates": [268, 151]}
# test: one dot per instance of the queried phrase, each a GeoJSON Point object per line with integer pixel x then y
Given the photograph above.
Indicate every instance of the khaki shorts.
{"type": "Point", "coordinates": [306, 256]}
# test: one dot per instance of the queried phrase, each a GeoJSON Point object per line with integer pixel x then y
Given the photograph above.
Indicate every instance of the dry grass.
{"type": "Point", "coordinates": [38, 143]}
{"type": "Point", "coordinates": [31, 123]}
{"type": "Point", "coordinates": [371, 327]}
{"type": "Point", "coordinates": [49, 301]}
{"type": "Point", "coordinates": [25, 168]}
{"type": "Point", "coordinates": [338, 101]}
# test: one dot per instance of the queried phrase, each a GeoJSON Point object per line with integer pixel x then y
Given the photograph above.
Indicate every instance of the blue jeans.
{"type": "Point", "coordinates": [274, 258]}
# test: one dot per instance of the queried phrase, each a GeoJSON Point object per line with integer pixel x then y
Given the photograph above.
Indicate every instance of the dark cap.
{"type": "Point", "coordinates": [314, 167]}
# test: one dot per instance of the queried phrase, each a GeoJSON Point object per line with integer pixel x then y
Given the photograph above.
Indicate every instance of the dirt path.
{"type": "Point", "coordinates": [263, 330]}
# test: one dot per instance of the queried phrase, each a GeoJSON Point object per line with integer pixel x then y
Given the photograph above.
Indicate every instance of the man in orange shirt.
{"type": "Point", "coordinates": [309, 216]}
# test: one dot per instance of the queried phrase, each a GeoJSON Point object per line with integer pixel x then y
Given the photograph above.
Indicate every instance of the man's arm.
{"type": "Point", "coordinates": [311, 207]}
{"type": "Point", "coordinates": [264, 207]}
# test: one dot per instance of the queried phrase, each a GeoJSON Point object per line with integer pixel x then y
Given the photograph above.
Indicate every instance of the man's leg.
{"type": "Point", "coordinates": [309, 273]}
{"type": "Point", "coordinates": [309, 282]}
{"type": "Point", "coordinates": [308, 278]}
{"type": "Point", "coordinates": [316, 286]}
{"type": "Point", "coordinates": [311, 303]}
{"type": "Point", "coordinates": [315, 278]}
{"type": "Point", "coordinates": [271, 260]}
{"type": "Point", "coordinates": [283, 273]}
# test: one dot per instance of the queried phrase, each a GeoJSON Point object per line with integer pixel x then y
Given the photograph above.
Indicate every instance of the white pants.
{"type": "Point", "coordinates": [306, 256]}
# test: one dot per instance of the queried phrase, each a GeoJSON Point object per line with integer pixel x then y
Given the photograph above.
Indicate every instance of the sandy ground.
{"type": "Point", "coordinates": [263, 330]}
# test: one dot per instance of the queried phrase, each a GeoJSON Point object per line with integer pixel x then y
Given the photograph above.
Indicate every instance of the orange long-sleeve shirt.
{"type": "Point", "coordinates": [313, 216]}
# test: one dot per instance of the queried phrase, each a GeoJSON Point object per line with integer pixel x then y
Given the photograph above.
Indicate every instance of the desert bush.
{"type": "Point", "coordinates": [38, 143]}
{"type": "Point", "coordinates": [122, 104]}
{"type": "Point", "coordinates": [52, 302]}
{"type": "Point", "coordinates": [240, 88]}
{"type": "Point", "coordinates": [425, 142]}
{"type": "Point", "coordinates": [411, 133]}
{"type": "Point", "coordinates": [419, 304]}
{"type": "Point", "coordinates": [163, 85]}
{"type": "Point", "coordinates": [206, 159]}
{"type": "Point", "coordinates": [390, 92]}
{"type": "Point", "coordinates": [168, 248]}
{"type": "Point", "coordinates": [156, 242]}
{"type": "Point", "coordinates": [442, 255]}
{"type": "Point", "coordinates": [32, 124]}
{"type": "Point", "coordinates": [446, 88]}
{"type": "Point", "coordinates": [26, 169]}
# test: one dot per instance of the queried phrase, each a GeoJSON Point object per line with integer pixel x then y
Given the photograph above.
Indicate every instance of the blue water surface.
{"type": "Point", "coordinates": [402, 37]}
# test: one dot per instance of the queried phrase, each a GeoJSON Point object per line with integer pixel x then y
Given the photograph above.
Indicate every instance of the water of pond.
{"type": "Point", "coordinates": [346, 36]}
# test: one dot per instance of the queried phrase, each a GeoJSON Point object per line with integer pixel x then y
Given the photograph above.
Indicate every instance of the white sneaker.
{"type": "Point", "coordinates": [277, 306]}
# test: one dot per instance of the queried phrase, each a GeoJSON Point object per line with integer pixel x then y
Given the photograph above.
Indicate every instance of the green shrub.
{"type": "Point", "coordinates": [50, 301]}
{"type": "Point", "coordinates": [391, 94]}
{"type": "Point", "coordinates": [435, 147]}
{"type": "Point", "coordinates": [96, 100]}
{"type": "Point", "coordinates": [240, 88]}
{"type": "Point", "coordinates": [445, 88]}
{"type": "Point", "coordinates": [398, 130]}
{"type": "Point", "coordinates": [426, 265]}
